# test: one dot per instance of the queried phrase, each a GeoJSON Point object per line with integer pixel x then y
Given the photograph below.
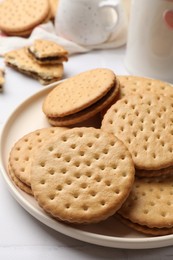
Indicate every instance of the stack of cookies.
{"type": "Point", "coordinates": [84, 174]}
{"type": "Point", "coordinates": [43, 61]}
{"type": "Point", "coordinates": [143, 120]}
{"type": "Point", "coordinates": [19, 18]}
{"type": "Point", "coordinates": [22, 153]}
{"type": "Point", "coordinates": [80, 97]}
{"type": "Point", "coordinates": [78, 175]}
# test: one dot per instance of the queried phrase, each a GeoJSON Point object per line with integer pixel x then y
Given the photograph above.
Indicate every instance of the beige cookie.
{"type": "Point", "coordinates": [53, 7]}
{"type": "Point", "coordinates": [82, 175]}
{"type": "Point", "coordinates": [87, 112]}
{"type": "Point", "coordinates": [144, 229]}
{"type": "Point", "coordinates": [27, 32]}
{"type": "Point", "coordinates": [18, 182]}
{"type": "Point", "coordinates": [47, 52]}
{"type": "Point", "coordinates": [144, 124]}
{"type": "Point", "coordinates": [20, 60]}
{"type": "Point", "coordinates": [131, 85]}
{"type": "Point", "coordinates": [139, 85]}
{"type": "Point", "coordinates": [21, 154]}
{"type": "Point", "coordinates": [78, 92]}
{"type": "Point", "coordinates": [2, 79]}
{"type": "Point", "coordinates": [20, 16]}
{"type": "Point", "coordinates": [150, 204]}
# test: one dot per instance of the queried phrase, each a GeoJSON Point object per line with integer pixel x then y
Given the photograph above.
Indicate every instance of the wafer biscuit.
{"type": "Point", "coordinates": [87, 112]}
{"type": "Point", "coordinates": [144, 124]}
{"type": "Point", "coordinates": [47, 52]}
{"type": "Point", "coordinates": [82, 176]}
{"type": "Point", "coordinates": [131, 85]}
{"type": "Point", "coordinates": [22, 152]}
{"type": "Point", "coordinates": [149, 207]}
{"type": "Point", "coordinates": [22, 16]}
{"type": "Point", "coordinates": [146, 230]}
{"type": "Point", "coordinates": [78, 92]}
{"type": "Point", "coordinates": [20, 60]}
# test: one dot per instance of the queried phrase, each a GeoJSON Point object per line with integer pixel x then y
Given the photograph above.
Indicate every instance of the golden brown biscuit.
{"type": "Point", "coordinates": [144, 124]}
{"type": "Point", "coordinates": [78, 92]}
{"type": "Point", "coordinates": [82, 175]}
{"type": "Point", "coordinates": [149, 207]}
{"type": "Point", "coordinates": [21, 154]}
{"type": "Point", "coordinates": [20, 60]}
{"type": "Point", "coordinates": [21, 16]}
{"type": "Point", "coordinates": [47, 52]}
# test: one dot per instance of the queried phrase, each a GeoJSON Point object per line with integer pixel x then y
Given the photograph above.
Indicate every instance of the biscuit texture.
{"type": "Point", "coordinates": [150, 203]}
{"type": "Point", "coordinates": [87, 112]}
{"type": "Point", "coordinates": [19, 16]}
{"type": "Point", "coordinates": [21, 154]}
{"type": "Point", "coordinates": [146, 230]}
{"type": "Point", "coordinates": [20, 60]}
{"type": "Point", "coordinates": [47, 52]}
{"type": "Point", "coordinates": [78, 92]}
{"type": "Point", "coordinates": [144, 124]}
{"type": "Point", "coordinates": [139, 85]}
{"type": "Point", "coordinates": [18, 182]}
{"type": "Point", "coordinates": [82, 176]}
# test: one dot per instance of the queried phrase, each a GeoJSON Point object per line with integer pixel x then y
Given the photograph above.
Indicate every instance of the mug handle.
{"type": "Point", "coordinates": [116, 6]}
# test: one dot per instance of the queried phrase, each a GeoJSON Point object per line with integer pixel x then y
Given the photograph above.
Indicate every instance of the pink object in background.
{"type": "Point", "coordinates": [168, 17]}
{"type": "Point", "coordinates": [150, 39]}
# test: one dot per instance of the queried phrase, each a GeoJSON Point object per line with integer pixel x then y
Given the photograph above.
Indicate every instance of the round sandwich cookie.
{"type": "Point", "coordinates": [21, 154]}
{"type": "Point", "coordinates": [86, 113]}
{"type": "Point", "coordinates": [18, 182]}
{"type": "Point", "coordinates": [82, 175]}
{"type": "Point", "coordinates": [22, 62]}
{"type": "Point", "coordinates": [149, 207]}
{"type": "Point", "coordinates": [47, 52]}
{"type": "Point", "coordinates": [144, 124]}
{"type": "Point", "coordinates": [80, 97]}
{"type": "Point", "coordinates": [22, 16]}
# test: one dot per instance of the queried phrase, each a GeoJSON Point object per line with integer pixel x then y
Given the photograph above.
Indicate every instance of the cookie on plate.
{"type": "Point", "coordinates": [22, 62]}
{"type": "Point", "coordinates": [149, 207]}
{"type": "Point", "coordinates": [21, 154]}
{"type": "Point", "coordinates": [47, 52]}
{"type": "Point", "coordinates": [24, 187]}
{"type": "Point", "coordinates": [82, 175]}
{"type": "Point", "coordinates": [80, 97]}
{"type": "Point", "coordinates": [144, 123]}
{"type": "Point", "coordinates": [20, 17]}
{"type": "Point", "coordinates": [132, 85]}
{"type": "Point", "coordinates": [138, 85]}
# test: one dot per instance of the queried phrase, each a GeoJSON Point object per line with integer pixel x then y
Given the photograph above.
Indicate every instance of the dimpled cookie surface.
{"type": "Point", "coordinates": [82, 176]}
{"type": "Point", "coordinates": [144, 124]}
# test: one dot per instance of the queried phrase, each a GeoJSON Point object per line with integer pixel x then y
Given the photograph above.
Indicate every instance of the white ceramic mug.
{"type": "Point", "coordinates": [88, 22]}
{"type": "Point", "coordinates": [150, 39]}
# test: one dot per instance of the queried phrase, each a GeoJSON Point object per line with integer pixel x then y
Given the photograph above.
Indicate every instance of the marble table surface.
{"type": "Point", "coordinates": [21, 235]}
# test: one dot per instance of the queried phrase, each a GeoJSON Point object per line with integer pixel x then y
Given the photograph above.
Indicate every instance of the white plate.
{"type": "Point", "coordinates": [28, 117]}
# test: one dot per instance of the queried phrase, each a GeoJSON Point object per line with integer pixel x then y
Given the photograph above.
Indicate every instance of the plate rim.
{"type": "Point", "coordinates": [85, 236]}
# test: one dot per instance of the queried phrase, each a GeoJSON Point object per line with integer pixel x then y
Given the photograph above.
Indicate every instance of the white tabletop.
{"type": "Point", "coordinates": [21, 235]}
